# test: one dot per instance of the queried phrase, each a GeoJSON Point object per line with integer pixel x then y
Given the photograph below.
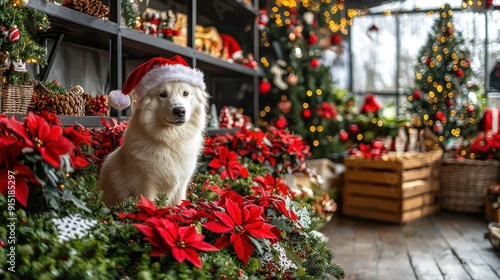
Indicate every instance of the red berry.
{"type": "Point", "coordinates": [119, 267]}
{"type": "Point", "coordinates": [131, 241]}
{"type": "Point", "coordinates": [223, 276]}
{"type": "Point", "coordinates": [2, 244]}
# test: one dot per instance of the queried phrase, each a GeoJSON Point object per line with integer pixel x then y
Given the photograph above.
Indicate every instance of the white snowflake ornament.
{"type": "Point", "coordinates": [73, 227]}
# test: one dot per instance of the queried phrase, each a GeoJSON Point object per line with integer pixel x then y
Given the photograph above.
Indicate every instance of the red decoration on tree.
{"type": "Point", "coordinates": [14, 35]}
{"type": "Point", "coordinates": [343, 135]}
{"type": "Point", "coordinates": [428, 60]}
{"type": "Point", "coordinates": [449, 31]}
{"type": "Point", "coordinates": [489, 3]}
{"type": "Point", "coordinates": [470, 108]}
{"type": "Point", "coordinates": [460, 73]}
{"type": "Point", "coordinates": [354, 129]}
{"type": "Point", "coordinates": [417, 94]}
{"type": "Point", "coordinates": [449, 102]}
{"type": "Point", "coordinates": [370, 104]}
{"type": "Point", "coordinates": [306, 113]}
{"type": "Point", "coordinates": [294, 11]}
{"type": "Point", "coordinates": [439, 115]}
{"type": "Point", "coordinates": [285, 106]}
{"type": "Point", "coordinates": [312, 39]}
{"type": "Point", "coordinates": [264, 86]}
{"type": "Point", "coordinates": [336, 39]}
{"type": "Point", "coordinates": [327, 110]}
{"type": "Point", "coordinates": [314, 63]}
{"type": "Point", "coordinates": [225, 118]}
{"type": "Point", "coordinates": [262, 19]}
{"type": "Point", "coordinates": [467, 63]}
{"type": "Point", "coordinates": [281, 123]}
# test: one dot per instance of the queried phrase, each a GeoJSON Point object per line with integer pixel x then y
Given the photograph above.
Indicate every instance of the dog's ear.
{"type": "Point", "coordinates": [203, 97]}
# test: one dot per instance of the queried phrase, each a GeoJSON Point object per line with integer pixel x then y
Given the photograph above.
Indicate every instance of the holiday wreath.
{"type": "Point", "coordinates": [241, 220]}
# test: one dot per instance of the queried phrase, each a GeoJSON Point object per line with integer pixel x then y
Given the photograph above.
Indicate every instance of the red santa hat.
{"type": "Point", "coordinates": [232, 46]}
{"type": "Point", "coordinates": [152, 73]}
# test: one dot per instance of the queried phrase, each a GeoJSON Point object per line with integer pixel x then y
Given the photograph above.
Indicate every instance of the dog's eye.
{"type": "Point", "coordinates": [185, 93]}
{"type": "Point", "coordinates": [163, 95]}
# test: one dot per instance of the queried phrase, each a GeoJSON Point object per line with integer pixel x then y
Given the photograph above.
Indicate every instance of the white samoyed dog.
{"type": "Point", "coordinates": [164, 138]}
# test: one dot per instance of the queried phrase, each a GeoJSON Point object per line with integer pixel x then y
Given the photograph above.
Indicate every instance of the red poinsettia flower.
{"type": "Point", "coordinates": [227, 164]}
{"type": "Point", "coordinates": [271, 185]}
{"type": "Point", "coordinates": [10, 149]}
{"type": "Point", "coordinates": [167, 236]}
{"type": "Point", "coordinates": [327, 110]}
{"type": "Point", "coordinates": [147, 209]}
{"type": "Point", "coordinates": [39, 136]}
{"type": "Point", "coordinates": [22, 174]}
{"type": "Point", "coordinates": [237, 225]}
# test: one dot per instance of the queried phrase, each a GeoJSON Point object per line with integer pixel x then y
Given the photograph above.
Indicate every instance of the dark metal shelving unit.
{"type": "Point", "coordinates": [124, 43]}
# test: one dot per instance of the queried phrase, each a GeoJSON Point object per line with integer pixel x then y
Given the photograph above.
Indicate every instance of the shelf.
{"type": "Point", "coordinates": [77, 27]}
{"type": "Point", "coordinates": [139, 44]}
{"type": "Point", "coordinates": [218, 66]}
{"type": "Point", "coordinates": [221, 131]}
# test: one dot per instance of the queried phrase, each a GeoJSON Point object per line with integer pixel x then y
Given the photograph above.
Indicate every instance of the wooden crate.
{"type": "Point", "coordinates": [398, 189]}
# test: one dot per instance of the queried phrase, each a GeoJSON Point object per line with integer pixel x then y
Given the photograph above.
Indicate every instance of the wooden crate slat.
{"type": "Point", "coordinates": [373, 164]}
{"type": "Point", "coordinates": [413, 202]}
{"type": "Point", "coordinates": [376, 203]}
{"type": "Point", "coordinates": [389, 178]}
{"type": "Point", "coordinates": [416, 174]}
{"type": "Point", "coordinates": [416, 187]}
{"type": "Point", "coordinates": [374, 190]}
{"type": "Point", "coordinates": [370, 214]}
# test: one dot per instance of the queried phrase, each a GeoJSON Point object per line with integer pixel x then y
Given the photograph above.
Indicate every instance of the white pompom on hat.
{"type": "Point", "coordinates": [152, 73]}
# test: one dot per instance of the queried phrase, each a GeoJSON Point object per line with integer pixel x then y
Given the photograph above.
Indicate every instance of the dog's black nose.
{"type": "Point", "coordinates": [179, 111]}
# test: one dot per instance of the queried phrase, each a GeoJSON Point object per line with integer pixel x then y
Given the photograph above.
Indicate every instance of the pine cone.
{"type": "Point", "coordinates": [94, 8]}
{"type": "Point", "coordinates": [88, 104]}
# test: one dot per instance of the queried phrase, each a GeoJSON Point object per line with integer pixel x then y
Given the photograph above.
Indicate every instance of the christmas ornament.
{"type": "Point", "coordinates": [438, 128]}
{"type": "Point", "coordinates": [292, 79]}
{"type": "Point", "coordinates": [449, 31]}
{"type": "Point", "coordinates": [73, 227]}
{"type": "Point", "coordinates": [264, 86]}
{"type": "Point", "coordinates": [214, 120]}
{"type": "Point", "coordinates": [343, 135]}
{"type": "Point", "coordinates": [297, 52]}
{"type": "Point", "coordinates": [354, 129]}
{"type": "Point", "coordinates": [428, 60]}
{"type": "Point", "coordinates": [417, 94]}
{"type": "Point", "coordinates": [314, 63]}
{"type": "Point", "coordinates": [306, 113]}
{"type": "Point", "coordinates": [467, 63]}
{"type": "Point", "coordinates": [14, 35]}
{"type": "Point", "coordinates": [281, 122]}
{"type": "Point", "coordinates": [4, 31]}
{"type": "Point", "coordinates": [285, 106]}
{"type": "Point", "coordinates": [439, 116]}
{"type": "Point", "coordinates": [21, 3]}
{"type": "Point", "coordinates": [17, 66]}
{"type": "Point", "coordinates": [312, 39]}
{"type": "Point", "coordinates": [460, 73]}
{"type": "Point", "coordinates": [370, 104]}
{"type": "Point", "coordinates": [470, 108]}
{"type": "Point", "coordinates": [231, 48]}
{"type": "Point", "coordinates": [449, 103]}
{"type": "Point", "coordinates": [336, 39]}
{"type": "Point", "coordinates": [225, 118]}
{"type": "Point", "coordinates": [262, 19]}
{"type": "Point", "coordinates": [278, 72]}
{"type": "Point", "coordinates": [308, 17]}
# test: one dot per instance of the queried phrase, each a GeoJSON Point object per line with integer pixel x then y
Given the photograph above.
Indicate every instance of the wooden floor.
{"type": "Point", "coordinates": [443, 246]}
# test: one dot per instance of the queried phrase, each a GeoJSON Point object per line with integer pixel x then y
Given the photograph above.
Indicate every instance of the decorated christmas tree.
{"type": "Point", "coordinates": [298, 92]}
{"type": "Point", "coordinates": [17, 44]}
{"type": "Point", "coordinates": [445, 96]}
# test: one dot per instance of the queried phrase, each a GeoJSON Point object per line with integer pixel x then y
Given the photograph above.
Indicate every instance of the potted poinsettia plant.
{"type": "Point", "coordinates": [241, 225]}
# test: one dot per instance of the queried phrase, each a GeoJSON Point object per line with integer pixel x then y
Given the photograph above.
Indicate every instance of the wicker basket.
{"type": "Point", "coordinates": [16, 98]}
{"type": "Point", "coordinates": [463, 182]}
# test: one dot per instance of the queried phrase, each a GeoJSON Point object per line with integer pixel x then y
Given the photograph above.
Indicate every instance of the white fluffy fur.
{"type": "Point", "coordinates": [157, 156]}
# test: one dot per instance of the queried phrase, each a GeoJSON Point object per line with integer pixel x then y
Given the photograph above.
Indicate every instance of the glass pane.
{"type": "Point", "coordinates": [493, 40]}
{"type": "Point", "coordinates": [473, 29]}
{"type": "Point", "coordinates": [374, 54]}
{"type": "Point", "coordinates": [414, 31]}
